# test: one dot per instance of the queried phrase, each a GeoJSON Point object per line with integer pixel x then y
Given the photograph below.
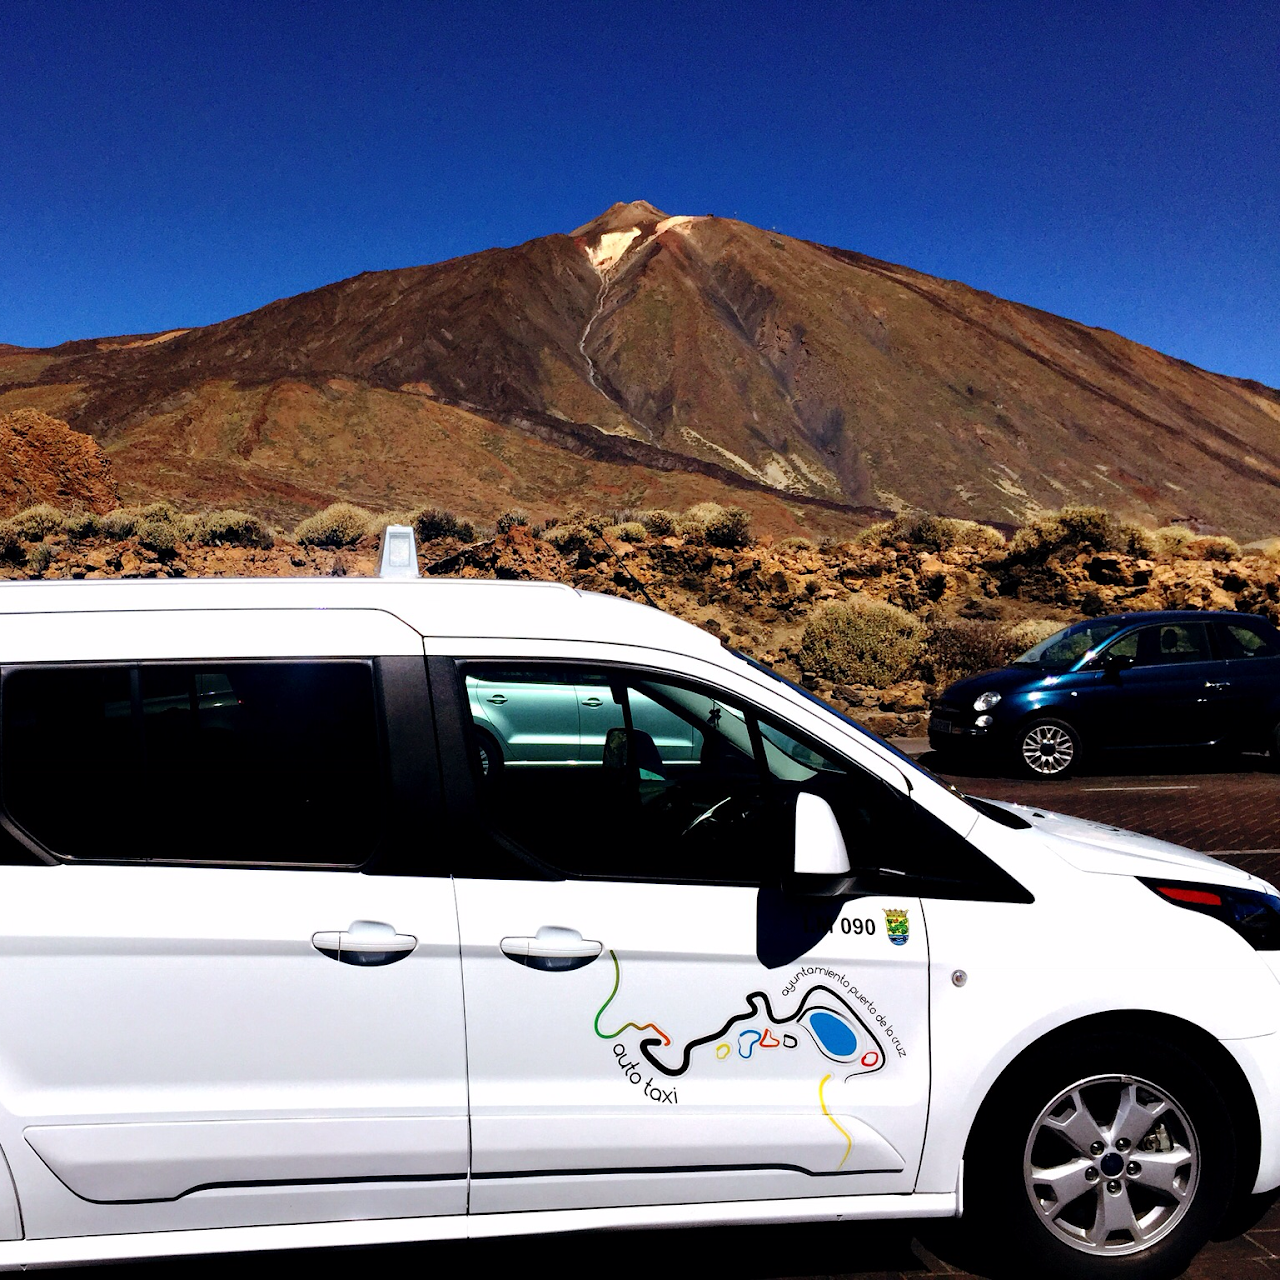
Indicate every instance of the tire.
{"type": "Point", "coordinates": [1043, 1200]}
{"type": "Point", "coordinates": [489, 753]}
{"type": "Point", "coordinates": [1046, 749]}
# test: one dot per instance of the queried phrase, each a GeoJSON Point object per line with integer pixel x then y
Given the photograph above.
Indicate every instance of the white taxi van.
{"type": "Point", "coordinates": [286, 960]}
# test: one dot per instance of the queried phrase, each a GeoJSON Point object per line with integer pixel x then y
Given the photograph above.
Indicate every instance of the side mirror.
{"type": "Point", "coordinates": [1113, 664]}
{"type": "Point", "coordinates": [820, 864]}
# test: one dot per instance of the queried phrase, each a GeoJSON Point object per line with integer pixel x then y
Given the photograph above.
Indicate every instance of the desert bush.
{"type": "Point", "coordinates": [873, 535]}
{"type": "Point", "coordinates": [629, 531]}
{"type": "Point", "coordinates": [34, 523]}
{"type": "Point", "coordinates": [10, 543]}
{"type": "Point", "coordinates": [1172, 540]}
{"type": "Point", "coordinates": [568, 538]}
{"type": "Point", "coordinates": [119, 523]}
{"type": "Point", "coordinates": [165, 512]}
{"type": "Point", "coordinates": [1213, 547]}
{"type": "Point", "coordinates": [80, 525]}
{"type": "Point", "coordinates": [797, 543]}
{"type": "Point", "coordinates": [432, 522]}
{"type": "Point", "coordinates": [964, 647]}
{"type": "Point", "coordinates": [729, 527]}
{"type": "Point", "coordinates": [1026, 635]}
{"type": "Point", "coordinates": [659, 522]}
{"type": "Point", "coordinates": [692, 525]}
{"type": "Point", "coordinates": [1075, 529]}
{"type": "Point", "coordinates": [861, 642]}
{"type": "Point", "coordinates": [39, 558]}
{"type": "Point", "coordinates": [159, 536]}
{"type": "Point", "coordinates": [341, 524]}
{"type": "Point", "coordinates": [513, 519]}
{"type": "Point", "coordinates": [229, 528]}
{"type": "Point", "coordinates": [938, 533]}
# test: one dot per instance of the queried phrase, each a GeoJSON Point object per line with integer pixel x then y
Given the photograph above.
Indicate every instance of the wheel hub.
{"type": "Point", "coordinates": [1111, 1165]}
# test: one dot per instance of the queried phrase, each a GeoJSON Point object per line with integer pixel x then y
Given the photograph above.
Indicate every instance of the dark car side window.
{"type": "Point", "coordinates": [1171, 644]}
{"type": "Point", "coordinates": [219, 763]}
{"type": "Point", "coordinates": [1242, 641]}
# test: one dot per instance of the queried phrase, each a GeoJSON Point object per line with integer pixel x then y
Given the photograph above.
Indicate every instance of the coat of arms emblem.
{"type": "Point", "coordinates": [896, 925]}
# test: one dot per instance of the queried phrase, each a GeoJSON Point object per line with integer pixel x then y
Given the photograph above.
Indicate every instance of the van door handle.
{"type": "Point", "coordinates": [552, 949]}
{"type": "Point", "coordinates": [592, 701]}
{"type": "Point", "coordinates": [366, 942]}
{"type": "Point", "coordinates": [498, 699]}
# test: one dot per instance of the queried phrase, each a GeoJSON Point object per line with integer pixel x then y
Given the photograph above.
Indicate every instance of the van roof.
{"type": "Point", "coordinates": [472, 607]}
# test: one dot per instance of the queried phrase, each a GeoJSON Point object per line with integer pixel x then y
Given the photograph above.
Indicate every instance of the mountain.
{"type": "Point", "coordinates": [646, 359]}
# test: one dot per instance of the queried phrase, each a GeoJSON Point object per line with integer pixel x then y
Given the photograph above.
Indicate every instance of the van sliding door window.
{"type": "Point", "coordinates": [241, 762]}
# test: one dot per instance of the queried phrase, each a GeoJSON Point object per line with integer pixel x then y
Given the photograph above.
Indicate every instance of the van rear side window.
{"type": "Point", "coordinates": [224, 763]}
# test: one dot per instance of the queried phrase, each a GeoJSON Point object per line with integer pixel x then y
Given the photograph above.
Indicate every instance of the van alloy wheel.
{"type": "Point", "coordinates": [1111, 1165]}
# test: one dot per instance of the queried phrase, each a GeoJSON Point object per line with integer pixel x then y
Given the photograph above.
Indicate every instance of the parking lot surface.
{"type": "Point", "coordinates": [1230, 809]}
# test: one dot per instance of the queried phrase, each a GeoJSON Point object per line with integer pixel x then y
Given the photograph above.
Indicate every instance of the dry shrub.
{"type": "Point", "coordinates": [33, 524]}
{"type": "Point", "coordinates": [165, 512]}
{"type": "Point", "coordinates": [1068, 532]}
{"type": "Point", "coordinates": [965, 648]}
{"type": "Point", "coordinates": [861, 642]}
{"type": "Point", "coordinates": [513, 519]}
{"type": "Point", "coordinates": [1213, 547]}
{"type": "Point", "coordinates": [659, 522]}
{"type": "Point", "coordinates": [628, 531]}
{"type": "Point", "coordinates": [118, 524]}
{"type": "Point", "coordinates": [797, 543]}
{"type": "Point", "coordinates": [39, 558]}
{"type": "Point", "coordinates": [730, 527]}
{"type": "Point", "coordinates": [80, 525]}
{"type": "Point", "coordinates": [341, 524]}
{"type": "Point", "coordinates": [569, 537]}
{"type": "Point", "coordinates": [10, 543]}
{"type": "Point", "coordinates": [159, 536]}
{"type": "Point", "coordinates": [432, 522]}
{"type": "Point", "coordinates": [935, 533]}
{"type": "Point", "coordinates": [692, 525]}
{"type": "Point", "coordinates": [1172, 540]}
{"type": "Point", "coordinates": [230, 528]}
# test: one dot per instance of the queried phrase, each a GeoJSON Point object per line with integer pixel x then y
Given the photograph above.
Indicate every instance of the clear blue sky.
{"type": "Point", "coordinates": [171, 164]}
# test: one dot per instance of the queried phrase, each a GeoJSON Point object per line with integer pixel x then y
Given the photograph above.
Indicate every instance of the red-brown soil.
{"type": "Point", "coordinates": [43, 460]}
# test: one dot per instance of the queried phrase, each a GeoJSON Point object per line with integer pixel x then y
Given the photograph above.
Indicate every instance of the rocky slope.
{"type": "Point", "coordinates": [758, 597]}
{"type": "Point", "coordinates": [43, 460]}
{"type": "Point", "coordinates": [649, 360]}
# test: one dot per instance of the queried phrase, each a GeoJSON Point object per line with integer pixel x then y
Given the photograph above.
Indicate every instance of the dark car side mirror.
{"type": "Point", "coordinates": [1114, 663]}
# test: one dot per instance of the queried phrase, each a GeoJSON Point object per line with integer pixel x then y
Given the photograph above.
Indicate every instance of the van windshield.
{"type": "Point", "coordinates": [1064, 649]}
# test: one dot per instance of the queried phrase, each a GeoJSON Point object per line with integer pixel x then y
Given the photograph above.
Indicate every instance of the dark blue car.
{"type": "Point", "coordinates": [1123, 682]}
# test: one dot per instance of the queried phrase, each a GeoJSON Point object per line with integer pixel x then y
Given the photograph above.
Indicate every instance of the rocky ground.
{"type": "Point", "coordinates": [757, 598]}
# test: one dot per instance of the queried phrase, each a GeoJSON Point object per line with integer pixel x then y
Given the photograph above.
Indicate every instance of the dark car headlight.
{"type": "Point", "coordinates": [1255, 916]}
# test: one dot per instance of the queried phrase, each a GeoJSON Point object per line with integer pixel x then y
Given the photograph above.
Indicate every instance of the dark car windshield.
{"type": "Point", "coordinates": [1066, 648]}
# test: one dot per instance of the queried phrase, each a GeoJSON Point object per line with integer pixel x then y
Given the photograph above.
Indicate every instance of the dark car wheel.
{"type": "Point", "coordinates": [1047, 749]}
{"type": "Point", "coordinates": [1110, 1160]}
{"type": "Point", "coordinates": [489, 752]}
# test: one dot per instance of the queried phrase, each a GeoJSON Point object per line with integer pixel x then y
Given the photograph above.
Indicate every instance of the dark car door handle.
{"type": "Point", "coordinates": [498, 698]}
{"type": "Point", "coordinates": [367, 942]}
{"type": "Point", "coordinates": [1219, 684]}
{"type": "Point", "coordinates": [552, 949]}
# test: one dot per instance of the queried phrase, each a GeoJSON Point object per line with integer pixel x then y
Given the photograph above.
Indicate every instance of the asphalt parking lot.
{"type": "Point", "coordinates": [1230, 809]}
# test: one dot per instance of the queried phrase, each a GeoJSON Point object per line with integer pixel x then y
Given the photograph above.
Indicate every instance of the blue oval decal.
{"type": "Point", "coordinates": [833, 1034]}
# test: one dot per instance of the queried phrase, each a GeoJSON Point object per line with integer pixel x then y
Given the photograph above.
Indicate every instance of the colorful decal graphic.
{"type": "Point", "coordinates": [837, 1032]}
{"type": "Point", "coordinates": [848, 1141]}
{"type": "Point", "coordinates": [897, 925]}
